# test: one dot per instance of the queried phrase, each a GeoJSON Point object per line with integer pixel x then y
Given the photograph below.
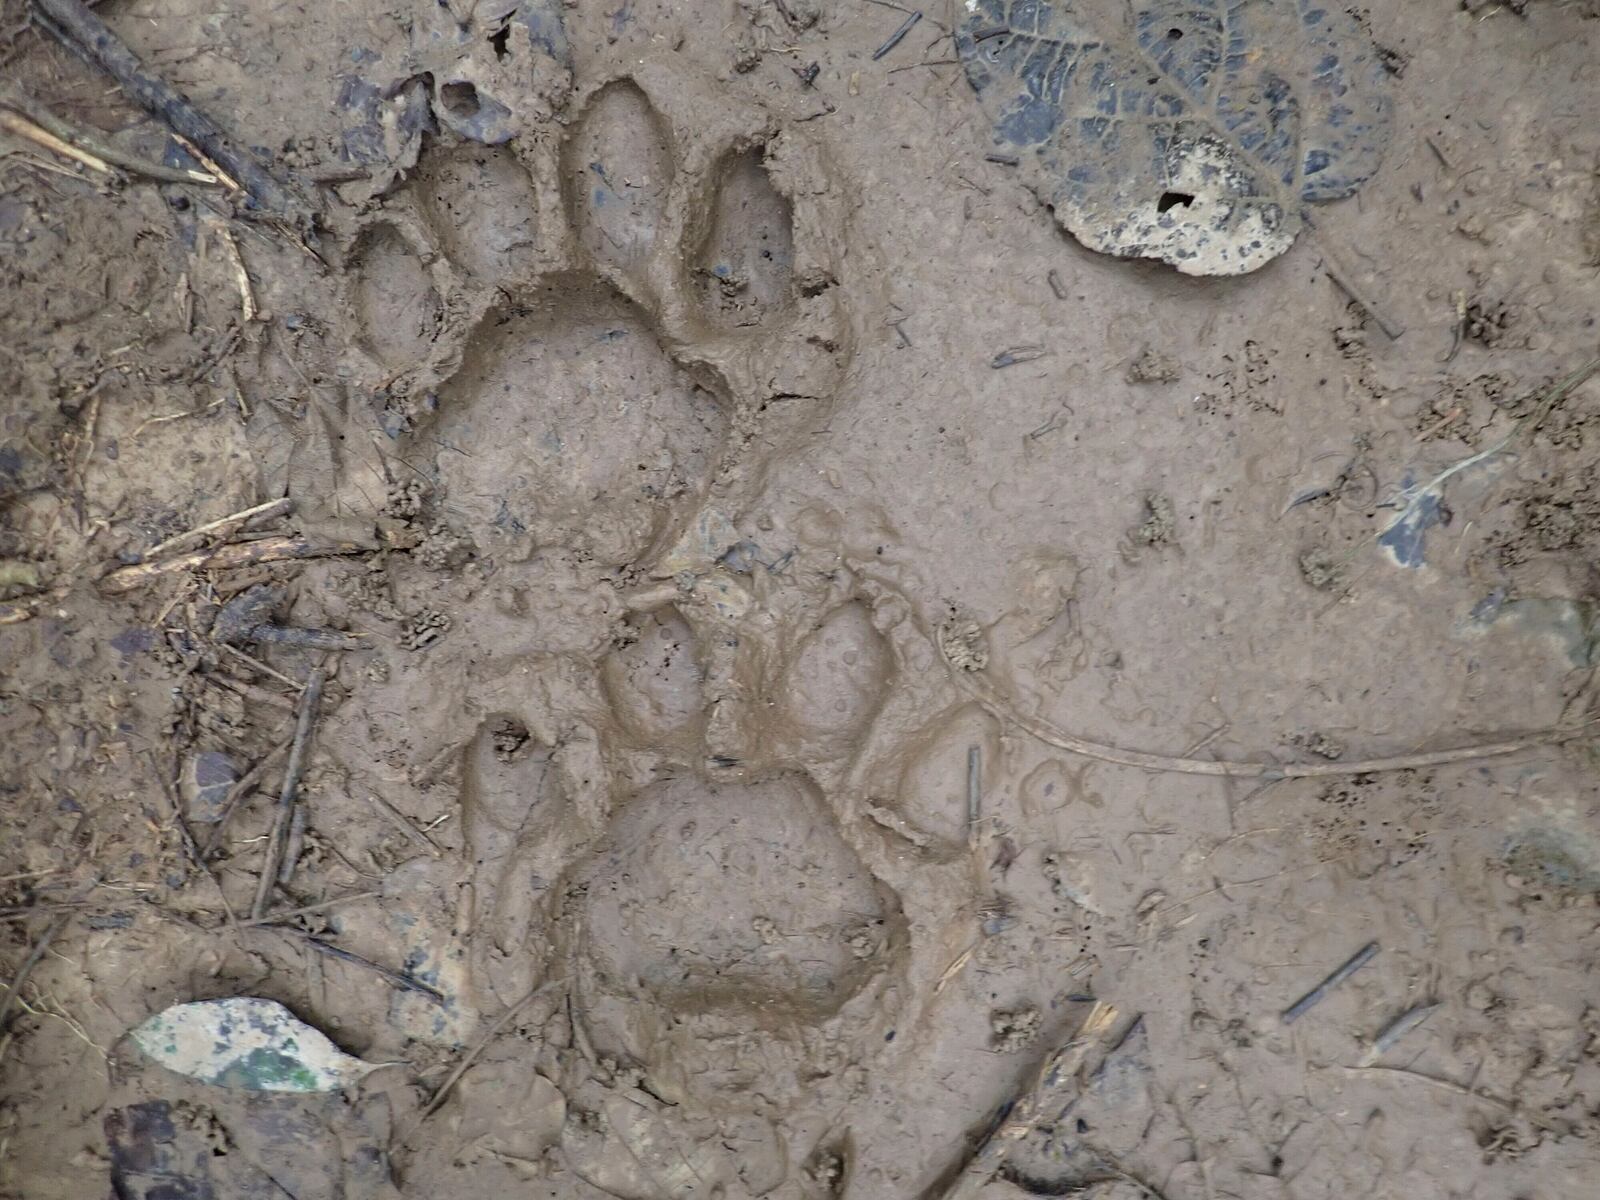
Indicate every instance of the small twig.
{"type": "Point", "coordinates": [1336, 272]}
{"type": "Point", "coordinates": [240, 790]}
{"type": "Point", "coordinates": [14, 989]}
{"type": "Point", "coordinates": [293, 846]}
{"type": "Point", "coordinates": [984, 694]}
{"type": "Point", "coordinates": [974, 792]}
{"type": "Point", "coordinates": [897, 36]}
{"type": "Point", "coordinates": [81, 139]}
{"type": "Point", "coordinates": [1021, 1115]}
{"type": "Point", "coordinates": [185, 415]}
{"type": "Point", "coordinates": [406, 826]}
{"type": "Point", "coordinates": [200, 156]}
{"type": "Point", "coordinates": [1395, 1030]}
{"type": "Point", "coordinates": [954, 969]}
{"type": "Point", "coordinates": [230, 523]}
{"type": "Point", "coordinates": [1459, 1090]}
{"type": "Point", "coordinates": [471, 1056]}
{"type": "Point", "coordinates": [308, 639]}
{"type": "Point", "coordinates": [241, 277]}
{"type": "Point", "coordinates": [1438, 425]}
{"type": "Point", "coordinates": [190, 846]}
{"type": "Point", "coordinates": [279, 918]}
{"type": "Point", "coordinates": [398, 978]}
{"type": "Point", "coordinates": [251, 691]}
{"type": "Point", "coordinates": [24, 609]}
{"type": "Point", "coordinates": [222, 558]}
{"type": "Point", "coordinates": [1317, 994]}
{"type": "Point", "coordinates": [256, 664]}
{"type": "Point", "coordinates": [21, 126]}
{"type": "Point", "coordinates": [309, 700]}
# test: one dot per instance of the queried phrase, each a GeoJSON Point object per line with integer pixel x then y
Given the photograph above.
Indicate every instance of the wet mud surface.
{"type": "Point", "coordinates": [802, 634]}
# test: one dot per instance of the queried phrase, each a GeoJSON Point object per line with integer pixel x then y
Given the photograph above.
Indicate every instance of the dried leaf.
{"type": "Point", "coordinates": [1191, 131]}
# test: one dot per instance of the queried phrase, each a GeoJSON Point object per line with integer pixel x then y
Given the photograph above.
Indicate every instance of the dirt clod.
{"type": "Point", "coordinates": [1011, 1030]}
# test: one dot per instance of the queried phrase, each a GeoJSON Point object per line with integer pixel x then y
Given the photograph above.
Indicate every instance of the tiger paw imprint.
{"type": "Point", "coordinates": [574, 339]}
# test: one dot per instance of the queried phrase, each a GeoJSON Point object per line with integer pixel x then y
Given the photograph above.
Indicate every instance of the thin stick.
{"type": "Point", "coordinates": [897, 36]}
{"type": "Point", "coordinates": [14, 989]}
{"type": "Point", "coordinates": [250, 691]}
{"type": "Point", "coordinates": [200, 156]}
{"type": "Point", "coordinates": [309, 700]}
{"type": "Point", "coordinates": [82, 139]}
{"type": "Point", "coordinates": [974, 792]}
{"type": "Point", "coordinates": [222, 558]}
{"type": "Point", "coordinates": [177, 416]}
{"type": "Point", "coordinates": [293, 846]}
{"type": "Point", "coordinates": [261, 512]}
{"type": "Point", "coordinates": [1336, 272]}
{"type": "Point", "coordinates": [1319, 993]}
{"type": "Point", "coordinates": [406, 825]}
{"type": "Point", "coordinates": [28, 607]}
{"type": "Point", "coordinates": [471, 1056]}
{"type": "Point", "coordinates": [1057, 1067]}
{"type": "Point", "coordinates": [73, 23]}
{"type": "Point", "coordinates": [257, 665]}
{"type": "Point", "coordinates": [22, 127]}
{"type": "Point", "coordinates": [241, 276]}
{"type": "Point", "coordinates": [1395, 1030]}
{"type": "Point", "coordinates": [240, 790]}
{"type": "Point", "coordinates": [189, 844]}
{"type": "Point", "coordinates": [278, 918]}
{"type": "Point", "coordinates": [309, 639]}
{"type": "Point", "coordinates": [1459, 1089]}
{"type": "Point", "coordinates": [398, 978]}
{"type": "Point", "coordinates": [1052, 735]}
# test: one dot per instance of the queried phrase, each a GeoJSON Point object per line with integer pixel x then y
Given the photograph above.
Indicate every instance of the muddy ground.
{"type": "Point", "coordinates": [726, 500]}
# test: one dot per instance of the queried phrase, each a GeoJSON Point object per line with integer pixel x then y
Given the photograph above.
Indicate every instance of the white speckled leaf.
{"type": "Point", "coordinates": [246, 1043]}
{"type": "Point", "coordinates": [1193, 131]}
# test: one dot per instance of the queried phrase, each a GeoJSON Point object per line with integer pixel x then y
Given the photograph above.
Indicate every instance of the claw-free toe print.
{"type": "Point", "coordinates": [617, 168]}
{"type": "Point", "coordinates": [745, 265]}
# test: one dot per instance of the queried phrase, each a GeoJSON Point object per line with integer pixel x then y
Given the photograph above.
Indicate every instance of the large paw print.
{"type": "Point", "coordinates": [577, 336]}
{"type": "Point", "coordinates": [728, 936]}
{"type": "Point", "coordinates": [739, 847]}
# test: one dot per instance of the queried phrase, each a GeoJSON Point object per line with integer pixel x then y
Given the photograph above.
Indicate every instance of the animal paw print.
{"type": "Point", "coordinates": [575, 337]}
{"type": "Point", "coordinates": [739, 845]}
{"type": "Point", "coordinates": [723, 928]}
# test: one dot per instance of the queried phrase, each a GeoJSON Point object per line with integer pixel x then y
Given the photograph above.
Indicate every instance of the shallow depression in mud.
{"type": "Point", "coordinates": [480, 202]}
{"type": "Point", "coordinates": [736, 895]}
{"type": "Point", "coordinates": [395, 302]}
{"type": "Point", "coordinates": [569, 422]}
{"type": "Point", "coordinates": [746, 262]}
{"type": "Point", "coordinates": [616, 170]}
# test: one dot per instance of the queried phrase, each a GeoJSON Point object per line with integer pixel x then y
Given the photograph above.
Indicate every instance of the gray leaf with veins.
{"type": "Point", "coordinates": [1192, 131]}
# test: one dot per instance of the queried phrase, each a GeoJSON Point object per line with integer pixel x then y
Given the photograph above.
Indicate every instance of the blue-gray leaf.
{"type": "Point", "coordinates": [1191, 131]}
